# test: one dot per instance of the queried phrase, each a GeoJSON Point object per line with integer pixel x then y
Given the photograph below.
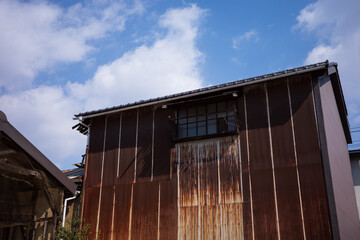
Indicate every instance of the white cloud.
{"type": "Point", "coordinates": [38, 35]}
{"type": "Point", "coordinates": [170, 64]}
{"type": "Point", "coordinates": [337, 27]}
{"type": "Point", "coordinates": [251, 35]}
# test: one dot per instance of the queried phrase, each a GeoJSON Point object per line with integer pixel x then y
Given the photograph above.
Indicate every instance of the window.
{"type": "Point", "coordinates": [206, 119]}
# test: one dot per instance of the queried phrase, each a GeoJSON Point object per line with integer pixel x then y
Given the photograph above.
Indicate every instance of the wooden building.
{"type": "Point", "coordinates": [32, 188]}
{"type": "Point", "coordinates": [259, 158]}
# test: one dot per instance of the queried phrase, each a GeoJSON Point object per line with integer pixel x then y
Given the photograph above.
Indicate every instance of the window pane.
{"type": "Point", "coordinates": [221, 107]}
{"type": "Point", "coordinates": [191, 119]}
{"type": "Point", "coordinates": [182, 131]}
{"type": "Point", "coordinates": [211, 108]}
{"type": "Point", "coordinates": [192, 130]}
{"type": "Point", "coordinates": [201, 110]}
{"type": "Point", "coordinates": [182, 113]}
{"type": "Point", "coordinates": [201, 118]}
{"type": "Point", "coordinates": [230, 108]}
{"type": "Point", "coordinates": [231, 124]}
{"type": "Point", "coordinates": [182, 121]}
{"type": "Point", "coordinates": [211, 127]}
{"type": "Point", "coordinates": [211, 116]}
{"type": "Point", "coordinates": [192, 111]}
{"type": "Point", "coordinates": [201, 128]}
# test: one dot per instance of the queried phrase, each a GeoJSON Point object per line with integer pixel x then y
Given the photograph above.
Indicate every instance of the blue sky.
{"type": "Point", "coordinates": [59, 58]}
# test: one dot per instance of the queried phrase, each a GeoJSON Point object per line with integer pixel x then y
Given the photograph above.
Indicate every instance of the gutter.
{"type": "Point", "coordinates": [65, 205]}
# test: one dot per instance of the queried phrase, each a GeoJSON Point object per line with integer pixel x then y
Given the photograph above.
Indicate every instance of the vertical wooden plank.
{"type": "Point", "coordinates": [106, 208]}
{"type": "Point", "coordinates": [145, 210]}
{"type": "Point", "coordinates": [168, 209]}
{"type": "Point", "coordinates": [209, 192]}
{"type": "Point", "coordinates": [162, 143]}
{"type": "Point", "coordinates": [317, 224]}
{"type": "Point", "coordinates": [96, 145]}
{"type": "Point", "coordinates": [122, 211]}
{"type": "Point", "coordinates": [230, 188]}
{"type": "Point", "coordinates": [246, 205]}
{"type": "Point", "coordinates": [111, 150]}
{"type": "Point", "coordinates": [91, 202]}
{"type": "Point", "coordinates": [144, 146]}
{"type": "Point", "coordinates": [189, 199]}
{"type": "Point", "coordinates": [262, 184]}
{"type": "Point", "coordinates": [127, 147]}
{"type": "Point", "coordinates": [287, 190]}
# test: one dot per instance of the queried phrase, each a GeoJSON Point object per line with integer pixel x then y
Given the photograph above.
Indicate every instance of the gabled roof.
{"type": "Point", "coordinates": [230, 85]}
{"type": "Point", "coordinates": [28, 148]}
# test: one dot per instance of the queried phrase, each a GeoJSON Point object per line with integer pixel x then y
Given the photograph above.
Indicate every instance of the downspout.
{"type": "Point", "coordinates": [65, 205]}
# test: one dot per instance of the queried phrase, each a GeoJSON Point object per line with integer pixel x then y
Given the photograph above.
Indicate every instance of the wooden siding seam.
{"type": "Point", "coordinates": [178, 190]}
{"type": "Point", "coordinates": [241, 187]}
{"type": "Point", "coordinates": [198, 173]}
{"type": "Point", "coordinates": [315, 113]}
{"type": "Point", "coordinates": [219, 186]}
{"type": "Point", "coordinates": [152, 144]}
{"type": "Point", "coordinates": [113, 214]}
{"type": "Point", "coordinates": [296, 160]}
{"type": "Point", "coordinates": [130, 211]}
{"type": "Point", "coordinates": [248, 155]}
{"type": "Point", "coordinates": [136, 141]}
{"type": "Point", "coordinates": [101, 179]}
{"type": "Point", "coordinates": [119, 149]}
{"type": "Point", "coordinates": [272, 161]}
{"type": "Point", "coordinates": [85, 176]}
{"type": "Point", "coordinates": [158, 224]}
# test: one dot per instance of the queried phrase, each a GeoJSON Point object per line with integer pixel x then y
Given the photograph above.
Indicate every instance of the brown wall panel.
{"type": "Point", "coordinates": [260, 165]}
{"type": "Point", "coordinates": [91, 203]}
{"type": "Point", "coordinates": [246, 206]}
{"type": "Point", "coordinates": [287, 189]}
{"type": "Point", "coordinates": [145, 210]}
{"type": "Point", "coordinates": [111, 150]}
{"type": "Point", "coordinates": [208, 170]}
{"type": "Point", "coordinates": [106, 209]}
{"type": "Point", "coordinates": [189, 228]}
{"type": "Point", "coordinates": [231, 221]}
{"type": "Point", "coordinates": [127, 146]}
{"type": "Point", "coordinates": [210, 216]}
{"type": "Point", "coordinates": [189, 183]}
{"type": "Point", "coordinates": [144, 146]}
{"type": "Point", "coordinates": [162, 143]}
{"type": "Point", "coordinates": [316, 217]}
{"type": "Point", "coordinates": [168, 209]}
{"type": "Point", "coordinates": [229, 170]}
{"type": "Point", "coordinates": [122, 211]}
{"type": "Point", "coordinates": [96, 147]}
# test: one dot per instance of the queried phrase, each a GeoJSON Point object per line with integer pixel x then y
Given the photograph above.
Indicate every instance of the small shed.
{"type": "Point", "coordinates": [32, 188]}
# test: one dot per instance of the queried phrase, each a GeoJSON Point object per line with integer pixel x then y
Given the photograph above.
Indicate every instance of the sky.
{"type": "Point", "coordinates": [60, 58]}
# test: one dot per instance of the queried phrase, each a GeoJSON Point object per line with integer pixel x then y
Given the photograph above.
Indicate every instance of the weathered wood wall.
{"type": "Point", "coordinates": [264, 183]}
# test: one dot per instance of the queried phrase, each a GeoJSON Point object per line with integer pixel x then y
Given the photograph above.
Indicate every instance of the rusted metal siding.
{"type": "Point", "coordinates": [316, 217]}
{"type": "Point", "coordinates": [144, 145]}
{"type": "Point", "coordinates": [162, 143]}
{"type": "Point", "coordinates": [285, 164]}
{"type": "Point", "coordinates": [264, 183]}
{"type": "Point", "coordinates": [128, 146]}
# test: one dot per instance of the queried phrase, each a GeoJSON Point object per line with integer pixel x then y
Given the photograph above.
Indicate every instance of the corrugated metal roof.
{"type": "Point", "coordinates": [209, 89]}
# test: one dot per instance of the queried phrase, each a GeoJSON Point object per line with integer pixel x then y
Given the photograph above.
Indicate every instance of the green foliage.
{"type": "Point", "coordinates": [75, 232]}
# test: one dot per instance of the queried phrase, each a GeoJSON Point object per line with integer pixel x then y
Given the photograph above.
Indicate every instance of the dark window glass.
{"type": "Point", "coordinates": [207, 119]}
{"type": "Point", "coordinates": [231, 123]}
{"type": "Point", "coordinates": [182, 131]}
{"type": "Point", "coordinates": [201, 128]}
{"type": "Point", "coordinates": [191, 129]}
{"type": "Point", "coordinates": [212, 128]}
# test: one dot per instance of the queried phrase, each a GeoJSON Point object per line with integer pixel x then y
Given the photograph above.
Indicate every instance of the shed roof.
{"type": "Point", "coordinates": [28, 148]}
